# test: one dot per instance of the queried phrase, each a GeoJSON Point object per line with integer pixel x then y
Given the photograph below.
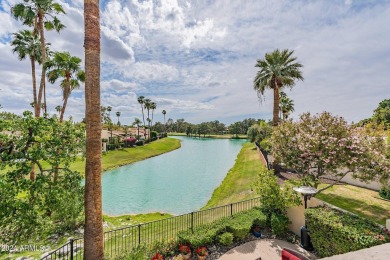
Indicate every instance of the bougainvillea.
{"type": "Point", "coordinates": [324, 144]}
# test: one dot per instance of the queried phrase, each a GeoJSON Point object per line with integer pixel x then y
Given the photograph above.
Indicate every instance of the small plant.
{"type": "Point", "coordinates": [226, 239]}
{"type": "Point", "coordinates": [184, 249]}
{"type": "Point", "coordinates": [157, 256]}
{"type": "Point", "coordinates": [202, 251]}
{"type": "Point", "coordinates": [279, 224]}
{"type": "Point", "coordinates": [384, 192]}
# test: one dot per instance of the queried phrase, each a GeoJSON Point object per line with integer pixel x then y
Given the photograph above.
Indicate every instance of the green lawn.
{"type": "Point", "coordinates": [114, 159]}
{"type": "Point", "coordinates": [361, 201]}
{"type": "Point", "coordinates": [225, 136]}
{"type": "Point", "coordinates": [237, 184]}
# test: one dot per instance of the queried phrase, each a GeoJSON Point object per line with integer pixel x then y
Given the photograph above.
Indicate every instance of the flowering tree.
{"type": "Point", "coordinates": [325, 145]}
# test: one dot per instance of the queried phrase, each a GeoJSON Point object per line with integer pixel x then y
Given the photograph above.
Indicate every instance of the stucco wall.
{"type": "Point", "coordinates": [297, 217]}
{"type": "Point", "coordinates": [373, 185]}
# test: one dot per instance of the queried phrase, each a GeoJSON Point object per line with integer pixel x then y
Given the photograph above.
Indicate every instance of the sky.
{"type": "Point", "coordinates": [196, 59]}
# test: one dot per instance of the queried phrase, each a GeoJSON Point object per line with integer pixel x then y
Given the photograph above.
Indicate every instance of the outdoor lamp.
{"type": "Point", "coordinates": [307, 193]}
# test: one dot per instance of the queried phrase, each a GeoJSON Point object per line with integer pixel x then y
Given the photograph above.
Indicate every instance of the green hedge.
{"type": "Point", "coordinates": [279, 224]}
{"type": "Point", "coordinates": [333, 232]}
{"type": "Point", "coordinates": [239, 225]}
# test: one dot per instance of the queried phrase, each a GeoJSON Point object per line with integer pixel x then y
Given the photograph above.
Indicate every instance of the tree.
{"type": "Point", "coordinates": [382, 113]}
{"type": "Point", "coordinates": [164, 113]}
{"type": "Point", "coordinates": [44, 207]}
{"type": "Point", "coordinates": [40, 14]}
{"type": "Point", "coordinates": [286, 105]}
{"type": "Point", "coordinates": [26, 43]}
{"type": "Point", "coordinates": [105, 115]}
{"type": "Point", "coordinates": [147, 104]}
{"type": "Point", "coordinates": [277, 70]}
{"type": "Point", "coordinates": [137, 122]}
{"type": "Point", "coordinates": [67, 67]}
{"type": "Point", "coordinates": [324, 144]}
{"type": "Point", "coordinates": [141, 101]}
{"type": "Point", "coordinates": [153, 106]}
{"type": "Point", "coordinates": [93, 234]}
{"type": "Point", "coordinates": [118, 114]}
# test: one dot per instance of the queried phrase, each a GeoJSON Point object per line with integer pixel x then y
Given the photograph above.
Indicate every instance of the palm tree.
{"type": "Point", "coordinates": [27, 44]}
{"type": "Point", "coordinates": [164, 113]}
{"type": "Point", "coordinates": [118, 114]}
{"type": "Point", "coordinates": [58, 109]}
{"type": "Point", "coordinates": [40, 14]}
{"type": "Point", "coordinates": [137, 122]}
{"type": "Point", "coordinates": [277, 70]}
{"type": "Point", "coordinates": [147, 104]}
{"type": "Point", "coordinates": [153, 106]}
{"type": "Point", "coordinates": [67, 67]}
{"type": "Point", "coordinates": [141, 101]}
{"type": "Point", "coordinates": [93, 234]}
{"type": "Point", "coordinates": [286, 105]}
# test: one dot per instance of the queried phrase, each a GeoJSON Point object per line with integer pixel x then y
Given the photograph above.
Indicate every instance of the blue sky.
{"type": "Point", "coordinates": [196, 58]}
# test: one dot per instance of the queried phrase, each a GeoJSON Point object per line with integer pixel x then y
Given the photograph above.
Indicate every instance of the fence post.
{"type": "Point", "coordinates": [192, 222]}
{"type": "Point", "coordinates": [139, 234]}
{"type": "Point", "coordinates": [71, 247]}
{"type": "Point", "coordinates": [231, 209]}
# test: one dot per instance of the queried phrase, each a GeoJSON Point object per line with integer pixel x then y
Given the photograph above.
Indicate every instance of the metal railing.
{"type": "Point", "coordinates": [124, 239]}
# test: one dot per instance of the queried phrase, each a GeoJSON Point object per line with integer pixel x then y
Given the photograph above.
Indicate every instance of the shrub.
{"type": "Point", "coordinates": [104, 140]}
{"type": "Point", "coordinates": [333, 232]}
{"type": "Point", "coordinates": [204, 235]}
{"type": "Point", "coordinates": [226, 239]}
{"type": "Point", "coordinates": [279, 224]}
{"type": "Point", "coordinates": [140, 143]}
{"type": "Point", "coordinates": [384, 192]}
{"type": "Point", "coordinates": [241, 223]}
{"type": "Point", "coordinates": [154, 134]}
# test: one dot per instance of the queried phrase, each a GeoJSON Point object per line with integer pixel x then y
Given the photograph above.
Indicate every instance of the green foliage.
{"type": "Point", "coordinates": [382, 113]}
{"type": "Point", "coordinates": [35, 156]}
{"type": "Point", "coordinates": [333, 232]}
{"type": "Point", "coordinates": [140, 143]}
{"type": "Point", "coordinates": [279, 224]}
{"type": "Point", "coordinates": [239, 225]}
{"type": "Point", "coordinates": [137, 253]}
{"type": "Point", "coordinates": [226, 239]}
{"type": "Point", "coordinates": [154, 134]}
{"type": "Point", "coordinates": [259, 132]}
{"type": "Point", "coordinates": [384, 192]}
{"type": "Point", "coordinates": [273, 198]}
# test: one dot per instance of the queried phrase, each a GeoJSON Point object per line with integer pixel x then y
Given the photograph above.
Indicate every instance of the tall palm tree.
{"type": "Point", "coordinates": [277, 70]}
{"type": "Point", "coordinates": [153, 106]}
{"type": "Point", "coordinates": [93, 234]}
{"type": "Point", "coordinates": [286, 105]}
{"type": "Point", "coordinates": [137, 122]}
{"type": "Point", "coordinates": [26, 43]}
{"type": "Point", "coordinates": [40, 14]}
{"type": "Point", "coordinates": [147, 104]}
{"type": "Point", "coordinates": [58, 109]}
{"type": "Point", "coordinates": [165, 127]}
{"type": "Point", "coordinates": [141, 101]}
{"type": "Point", "coordinates": [67, 67]}
{"type": "Point", "coordinates": [118, 114]}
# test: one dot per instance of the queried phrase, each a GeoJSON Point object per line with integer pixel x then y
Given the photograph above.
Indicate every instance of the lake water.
{"type": "Point", "coordinates": [177, 182]}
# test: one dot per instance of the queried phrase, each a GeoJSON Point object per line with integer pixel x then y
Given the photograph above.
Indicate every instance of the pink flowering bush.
{"type": "Point", "coordinates": [324, 144]}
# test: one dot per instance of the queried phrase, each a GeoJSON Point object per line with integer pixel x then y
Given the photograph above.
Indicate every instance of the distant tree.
{"type": "Point", "coordinates": [141, 101]}
{"type": "Point", "coordinates": [382, 113]}
{"type": "Point", "coordinates": [235, 128]}
{"type": "Point", "coordinates": [153, 106]}
{"type": "Point", "coordinates": [118, 114]}
{"type": "Point", "coordinates": [105, 115]}
{"type": "Point", "coordinates": [170, 125]}
{"type": "Point", "coordinates": [164, 113]}
{"type": "Point", "coordinates": [40, 15]}
{"type": "Point", "coordinates": [67, 67]}
{"type": "Point", "coordinates": [26, 43]}
{"type": "Point", "coordinates": [147, 106]}
{"type": "Point", "coordinates": [286, 105]}
{"type": "Point", "coordinates": [277, 70]}
{"type": "Point", "coordinates": [179, 125]}
{"type": "Point", "coordinates": [137, 122]}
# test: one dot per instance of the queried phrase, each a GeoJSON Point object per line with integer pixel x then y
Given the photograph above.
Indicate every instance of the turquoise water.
{"type": "Point", "coordinates": [177, 182]}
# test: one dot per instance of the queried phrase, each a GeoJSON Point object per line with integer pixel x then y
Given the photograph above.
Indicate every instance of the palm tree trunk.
{"type": "Point", "coordinates": [93, 235]}
{"type": "Point", "coordinates": [43, 46]}
{"type": "Point", "coordinates": [66, 96]}
{"type": "Point", "coordinates": [143, 116]}
{"type": "Point", "coordinates": [152, 118]}
{"type": "Point", "coordinates": [34, 81]}
{"type": "Point", "coordinates": [275, 120]}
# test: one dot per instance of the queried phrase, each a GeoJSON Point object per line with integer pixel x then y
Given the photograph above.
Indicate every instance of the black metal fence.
{"type": "Point", "coordinates": [124, 239]}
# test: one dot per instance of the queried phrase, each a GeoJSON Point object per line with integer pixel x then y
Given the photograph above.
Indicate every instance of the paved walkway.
{"type": "Point", "coordinates": [381, 252]}
{"type": "Point", "coordinates": [267, 249]}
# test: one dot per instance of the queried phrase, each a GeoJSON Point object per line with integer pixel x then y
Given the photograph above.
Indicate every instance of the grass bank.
{"type": "Point", "coordinates": [114, 159]}
{"type": "Point", "coordinates": [363, 202]}
{"type": "Point", "coordinates": [225, 136]}
{"type": "Point", "coordinates": [237, 184]}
